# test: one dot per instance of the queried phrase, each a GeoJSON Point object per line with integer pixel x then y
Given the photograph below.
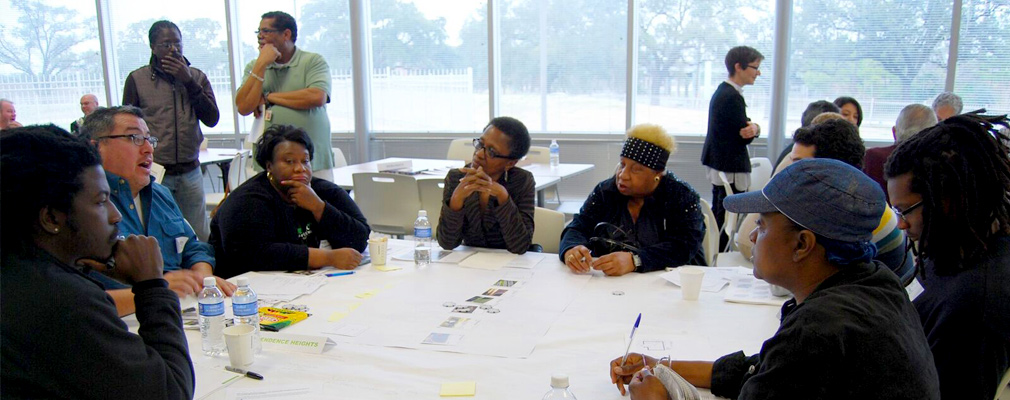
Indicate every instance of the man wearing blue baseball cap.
{"type": "Point", "coordinates": [850, 331]}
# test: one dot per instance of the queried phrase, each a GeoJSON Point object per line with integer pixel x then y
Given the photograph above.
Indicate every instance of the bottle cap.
{"type": "Point", "coordinates": [422, 213]}
{"type": "Point", "coordinates": [242, 281]}
{"type": "Point", "coordinates": [210, 281]}
{"type": "Point", "coordinates": [559, 381]}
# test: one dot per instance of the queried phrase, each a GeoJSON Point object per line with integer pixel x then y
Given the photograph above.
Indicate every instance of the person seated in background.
{"type": "Point", "coordinates": [812, 111]}
{"type": "Point", "coordinates": [949, 187]}
{"type": "Point", "coordinates": [654, 216]}
{"type": "Point", "coordinates": [278, 219]}
{"type": "Point", "coordinates": [850, 109]}
{"type": "Point", "coordinates": [912, 119]}
{"type": "Point", "coordinates": [837, 139]}
{"type": "Point", "coordinates": [126, 145]}
{"type": "Point", "coordinates": [8, 115]}
{"type": "Point", "coordinates": [946, 105]}
{"type": "Point", "coordinates": [62, 337]}
{"type": "Point", "coordinates": [850, 332]}
{"type": "Point", "coordinates": [490, 201]}
{"type": "Point", "coordinates": [89, 103]}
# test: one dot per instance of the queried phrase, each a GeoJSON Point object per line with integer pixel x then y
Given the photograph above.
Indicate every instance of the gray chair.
{"type": "Point", "coordinates": [547, 227]}
{"type": "Point", "coordinates": [389, 201]}
{"type": "Point", "coordinates": [431, 190]}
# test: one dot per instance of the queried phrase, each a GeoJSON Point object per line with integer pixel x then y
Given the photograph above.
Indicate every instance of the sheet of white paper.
{"type": "Point", "coordinates": [750, 290]}
{"type": "Point", "coordinates": [715, 277]}
{"type": "Point", "coordinates": [451, 257]}
{"type": "Point", "coordinates": [527, 261]}
{"type": "Point", "coordinates": [284, 284]}
{"type": "Point", "coordinates": [345, 329]}
{"type": "Point", "coordinates": [488, 260]}
{"type": "Point", "coordinates": [212, 377]}
{"type": "Point", "coordinates": [277, 392]}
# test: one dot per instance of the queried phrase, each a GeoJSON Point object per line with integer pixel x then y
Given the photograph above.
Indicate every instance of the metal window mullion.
{"type": "Point", "coordinates": [109, 66]}
{"type": "Point", "coordinates": [955, 39]}
{"type": "Point", "coordinates": [361, 73]}
{"type": "Point", "coordinates": [493, 57]}
{"type": "Point", "coordinates": [631, 75]}
{"type": "Point", "coordinates": [780, 74]}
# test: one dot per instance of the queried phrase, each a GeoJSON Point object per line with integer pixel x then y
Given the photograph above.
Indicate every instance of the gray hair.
{"type": "Point", "coordinates": [103, 120]}
{"type": "Point", "coordinates": [3, 100]}
{"type": "Point", "coordinates": [948, 99]}
{"type": "Point", "coordinates": [912, 119]}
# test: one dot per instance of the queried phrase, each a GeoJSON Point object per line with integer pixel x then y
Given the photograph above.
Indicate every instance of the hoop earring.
{"type": "Point", "coordinates": [656, 178]}
{"type": "Point", "coordinates": [270, 176]}
{"type": "Point", "coordinates": [506, 175]}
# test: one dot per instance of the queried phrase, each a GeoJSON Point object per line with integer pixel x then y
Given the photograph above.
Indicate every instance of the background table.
{"type": "Point", "coordinates": [544, 175]}
{"type": "Point", "coordinates": [580, 343]}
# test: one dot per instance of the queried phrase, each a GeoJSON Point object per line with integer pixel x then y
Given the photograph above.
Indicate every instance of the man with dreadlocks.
{"type": "Point", "coordinates": [949, 187]}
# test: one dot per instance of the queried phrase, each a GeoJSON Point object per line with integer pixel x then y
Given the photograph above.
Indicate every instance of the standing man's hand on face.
{"type": "Point", "coordinates": [176, 66]}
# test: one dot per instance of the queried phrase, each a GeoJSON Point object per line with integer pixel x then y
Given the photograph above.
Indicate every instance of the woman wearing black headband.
{"type": "Point", "coordinates": [654, 218]}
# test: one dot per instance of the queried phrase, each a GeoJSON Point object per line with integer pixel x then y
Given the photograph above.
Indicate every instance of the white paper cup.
{"type": "Point", "coordinates": [377, 250]}
{"type": "Point", "coordinates": [690, 282]}
{"type": "Point", "coordinates": [238, 338]}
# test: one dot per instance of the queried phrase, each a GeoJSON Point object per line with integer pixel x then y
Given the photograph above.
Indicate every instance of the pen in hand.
{"type": "Point", "coordinates": [631, 339]}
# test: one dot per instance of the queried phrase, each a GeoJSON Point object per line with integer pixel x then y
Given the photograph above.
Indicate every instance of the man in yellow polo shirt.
{"type": "Point", "coordinates": [293, 84]}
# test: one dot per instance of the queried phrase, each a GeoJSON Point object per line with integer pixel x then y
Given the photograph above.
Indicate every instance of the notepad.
{"type": "Point", "coordinates": [458, 389]}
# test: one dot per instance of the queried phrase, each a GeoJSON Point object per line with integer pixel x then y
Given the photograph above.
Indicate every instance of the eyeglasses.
{"type": "Point", "coordinates": [266, 31]}
{"type": "Point", "coordinates": [478, 144]}
{"type": "Point", "coordinates": [902, 214]}
{"type": "Point", "coordinates": [756, 68]}
{"type": "Point", "coordinates": [137, 139]}
{"type": "Point", "coordinates": [169, 45]}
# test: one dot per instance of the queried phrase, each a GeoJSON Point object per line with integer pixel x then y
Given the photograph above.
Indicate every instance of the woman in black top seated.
{"type": "Point", "coordinates": [654, 218]}
{"type": "Point", "coordinates": [489, 202]}
{"type": "Point", "coordinates": [277, 219]}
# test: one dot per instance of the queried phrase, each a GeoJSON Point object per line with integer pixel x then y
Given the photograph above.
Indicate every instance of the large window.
{"type": "Point", "coordinates": [429, 60]}
{"type": "Point", "coordinates": [564, 64]}
{"type": "Point", "coordinates": [204, 44]}
{"type": "Point", "coordinates": [323, 28]}
{"type": "Point", "coordinates": [983, 73]}
{"type": "Point", "coordinates": [681, 59]}
{"type": "Point", "coordinates": [885, 54]}
{"type": "Point", "coordinates": [49, 58]}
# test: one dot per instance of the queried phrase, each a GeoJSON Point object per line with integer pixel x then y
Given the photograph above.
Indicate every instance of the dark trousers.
{"type": "Point", "coordinates": [718, 194]}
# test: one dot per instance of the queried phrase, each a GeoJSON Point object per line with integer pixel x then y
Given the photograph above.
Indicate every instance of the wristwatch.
{"type": "Point", "coordinates": [637, 260]}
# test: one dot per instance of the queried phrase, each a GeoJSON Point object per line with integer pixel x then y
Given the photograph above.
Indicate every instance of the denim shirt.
{"type": "Point", "coordinates": [164, 222]}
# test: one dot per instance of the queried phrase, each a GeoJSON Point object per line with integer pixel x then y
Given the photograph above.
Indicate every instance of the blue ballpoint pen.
{"type": "Point", "coordinates": [340, 273]}
{"type": "Point", "coordinates": [631, 339]}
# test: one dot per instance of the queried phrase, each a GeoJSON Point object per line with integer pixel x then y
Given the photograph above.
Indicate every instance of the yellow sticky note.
{"type": "Point", "coordinates": [367, 295]}
{"type": "Point", "coordinates": [458, 389]}
{"type": "Point", "coordinates": [387, 268]}
{"type": "Point", "coordinates": [354, 306]}
{"type": "Point", "coordinates": [336, 316]}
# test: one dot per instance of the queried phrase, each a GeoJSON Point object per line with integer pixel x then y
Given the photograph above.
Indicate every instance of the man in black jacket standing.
{"type": "Point", "coordinates": [729, 129]}
{"type": "Point", "coordinates": [175, 99]}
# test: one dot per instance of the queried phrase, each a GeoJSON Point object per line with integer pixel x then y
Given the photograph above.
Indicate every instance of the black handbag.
{"type": "Point", "coordinates": [609, 238]}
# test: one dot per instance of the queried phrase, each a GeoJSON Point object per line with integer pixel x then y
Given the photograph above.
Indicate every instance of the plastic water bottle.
{"type": "Point", "coordinates": [555, 153]}
{"type": "Point", "coordinates": [211, 317]}
{"type": "Point", "coordinates": [246, 310]}
{"type": "Point", "coordinates": [422, 239]}
{"type": "Point", "coordinates": [559, 388]}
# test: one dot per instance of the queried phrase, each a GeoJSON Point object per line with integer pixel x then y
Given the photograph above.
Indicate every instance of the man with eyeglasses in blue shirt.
{"type": "Point", "coordinates": [175, 99]}
{"type": "Point", "coordinates": [148, 209]}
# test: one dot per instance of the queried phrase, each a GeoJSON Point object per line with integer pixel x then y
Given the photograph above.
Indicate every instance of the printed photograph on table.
{"type": "Point", "coordinates": [457, 323]}
{"type": "Point", "coordinates": [505, 283]}
{"type": "Point", "coordinates": [495, 292]}
{"type": "Point", "coordinates": [444, 339]}
{"type": "Point", "coordinates": [479, 299]}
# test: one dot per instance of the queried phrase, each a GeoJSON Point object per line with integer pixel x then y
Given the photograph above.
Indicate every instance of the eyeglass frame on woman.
{"type": "Point", "coordinates": [136, 139]}
{"type": "Point", "coordinates": [902, 214]}
{"type": "Point", "coordinates": [478, 144]}
{"type": "Point", "coordinates": [169, 45]}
